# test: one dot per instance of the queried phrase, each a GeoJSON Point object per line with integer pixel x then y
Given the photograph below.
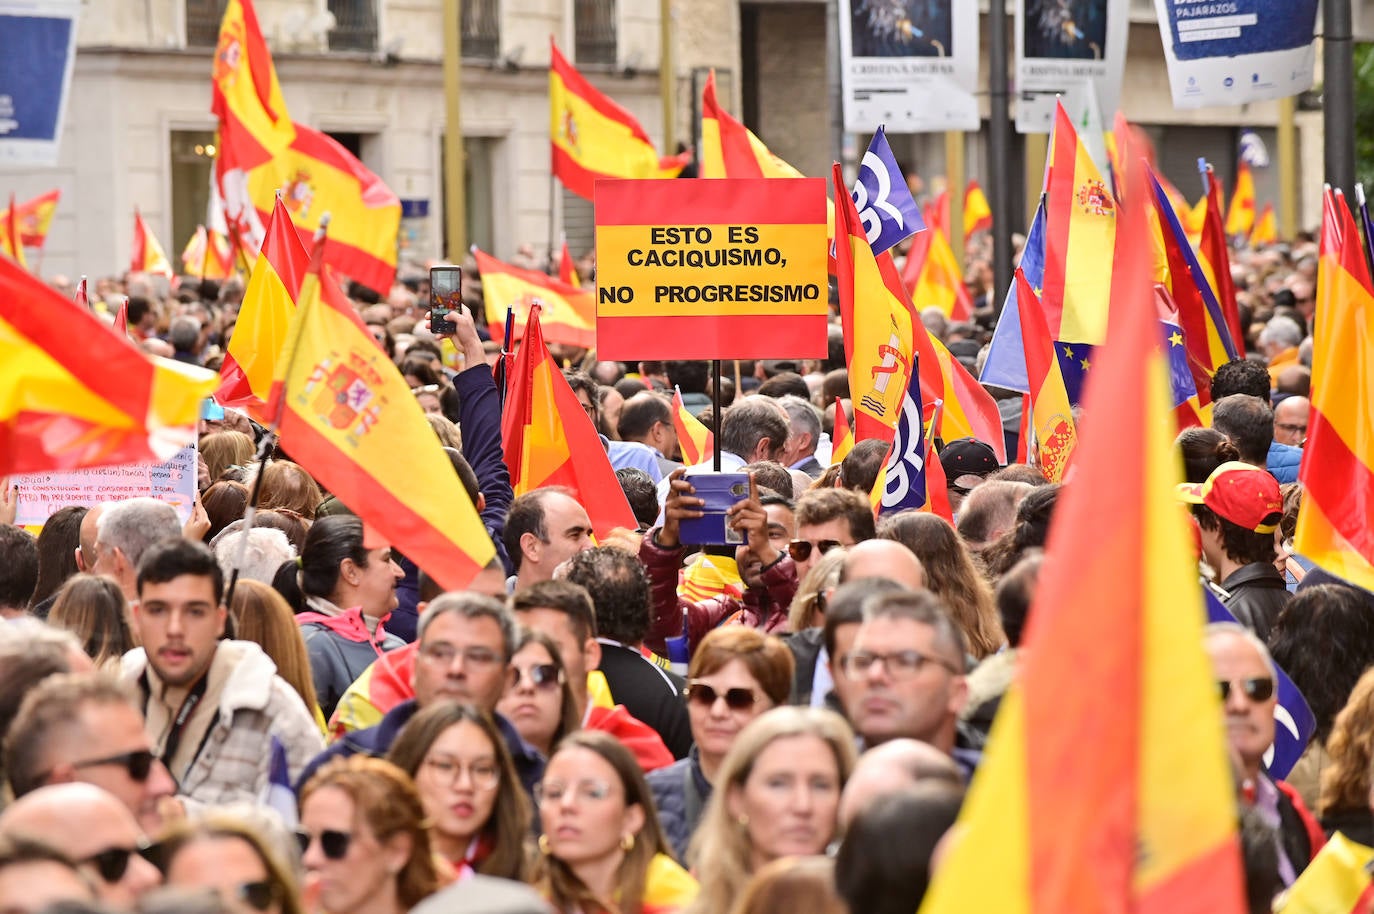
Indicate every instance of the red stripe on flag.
{"type": "Point", "coordinates": [736, 152]}
{"type": "Point", "coordinates": [731, 336]}
{"type": "Point", "coordinates": [1059, 207]}
{"type": "Point", "coordinates": [575, 178]}
{"type": "Point", "coordinates": [33, 442]}
{"type": "Point", "coordinates": [1205, 883]}
{"type": "Point", "coordinates": [1343, 485]}
{"type": "Point", "coordinates": [787, 201]}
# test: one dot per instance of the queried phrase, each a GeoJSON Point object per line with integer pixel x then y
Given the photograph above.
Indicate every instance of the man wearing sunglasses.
{"type": "Point", "coordinates": [92, 829]}
{"type": "Point", "coordinates": [827, 518]}
{"type": "Point", "coordinates": [1246, 685]}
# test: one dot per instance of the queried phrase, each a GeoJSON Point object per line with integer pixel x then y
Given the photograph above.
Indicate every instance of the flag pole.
{"type": "Point", "coordinates": [1366, 225]}
{"type": "Point", "coordinates": [715, 414]}
{"type": "Point", "coordinates": [553, 195]}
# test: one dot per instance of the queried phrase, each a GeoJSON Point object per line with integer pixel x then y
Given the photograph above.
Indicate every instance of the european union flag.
{"type": "Point", "coordinates": [1075, 360]}
{"type": "Point", "coordinates": [1293, 720]}
{"type": "Point", "coordinates": [1006, 362]}
{"type": "Point", "coordinates": [906, 463]}
{"type": "Point", "coordinates": [1181, 381]}
{"type": "Point", "coordinates": [888, 211]}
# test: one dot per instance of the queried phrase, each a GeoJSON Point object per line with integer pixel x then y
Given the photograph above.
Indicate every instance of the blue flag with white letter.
{"type": "Point", "coordinates": [1006, 362]}
{"type": "Point", "coordinates": [886, 208]}
{"type": "Point", "coordinates": [905, 484]}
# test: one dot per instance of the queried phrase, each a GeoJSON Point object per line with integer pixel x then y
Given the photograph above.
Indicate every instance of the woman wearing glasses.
{"type": "Point", "coordinates": [231, 857]}
{"type": "Point", "coordinates": [777, 794]}
{"type": "Point", "coordinates": [539, 703]}
{"type": "Point", "coordinates": [478, 813]}
{"type": "Point", "coordinates": [602, 849]}
{"type": "Point", "coordinates": [736, 674]}
{"type": "Point", "coordinates": [367, 848]}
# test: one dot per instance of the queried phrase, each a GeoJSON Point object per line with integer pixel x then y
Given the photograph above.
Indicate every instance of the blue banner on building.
{"type": "Point", "coordinates": [37, 49]}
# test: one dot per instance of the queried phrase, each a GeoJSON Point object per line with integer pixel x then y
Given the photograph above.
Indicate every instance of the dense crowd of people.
{"type": "Point", "coordinates": [639, 724]}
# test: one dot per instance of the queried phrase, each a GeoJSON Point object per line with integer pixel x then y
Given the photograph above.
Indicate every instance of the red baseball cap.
{"type": "Point", "coordinates": [1245, 495]}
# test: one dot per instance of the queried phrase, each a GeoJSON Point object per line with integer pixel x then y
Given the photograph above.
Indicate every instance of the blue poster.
{"type": "Point", "coordinates": [37, 47]}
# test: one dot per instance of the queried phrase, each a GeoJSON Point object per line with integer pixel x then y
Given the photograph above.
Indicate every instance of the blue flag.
{"type": "Point", "coordinates": [1293, 720]}
{"type": "Point", "coordinates": [1181, 381]}
{"type": "Point", "coordinates": [886, 208]}
{"type": "Point", "coordinates": [1006, 362]}
{"type": "Point", "coordinates": [906, 462]}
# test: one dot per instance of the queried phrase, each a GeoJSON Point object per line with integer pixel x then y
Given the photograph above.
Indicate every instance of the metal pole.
{"type": "Point", "coordinates": [1338, 94]}
{"type": "Point", "coordinates": [833, 80]}
{"type": "Point", "coordinates": [999, 148]}
{"type": "Point", "coordinates": [666, 79]}
{"type": "Point", "coordinates": [715, 413]}
{"type": "Point", "coordinates": [1288, 169]}
{"type": "Point", "coordinates": [455, 169]}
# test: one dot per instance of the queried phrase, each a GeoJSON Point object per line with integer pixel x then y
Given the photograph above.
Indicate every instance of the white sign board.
{"type": "Point", "coordinates": [174, 481]}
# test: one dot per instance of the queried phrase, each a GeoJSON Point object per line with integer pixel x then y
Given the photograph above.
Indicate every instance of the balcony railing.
{"type": "Point", "coordinates": [202, 22]}
{"type": "Point", "coordinates": [482, 29]}
{"type": "Point", "coordinates": [594, 21]}
{"type": "Point", "coordinates": [355, 25]}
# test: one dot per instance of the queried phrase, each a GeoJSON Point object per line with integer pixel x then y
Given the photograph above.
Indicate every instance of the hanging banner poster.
{"type": "Point", "coordinates": [1238, 51]}
{"type": "Point", "coordinates": [911, 66]}
{"type": "Point", "coordinates": [174, 481]}
{"type": "Point", "coordinates": [37, 49]}
{"type": "Point", "coordinates": [1068, 48]}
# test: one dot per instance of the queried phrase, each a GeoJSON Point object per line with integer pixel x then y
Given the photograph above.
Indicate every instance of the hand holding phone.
{"type": "Point", "coordinates": [719, 492]}
{"type": "Point", "coordinates": [445, 296]}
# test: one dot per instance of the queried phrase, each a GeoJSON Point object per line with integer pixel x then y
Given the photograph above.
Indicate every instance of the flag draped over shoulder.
{"type": "Point", "coordinates": [693, 437]}
{"type": "Point", "coordinates": [550, 441]}
{"type": "Point", "coordinates": [1336, 521]}
{"type": "Point", "coordinates": [34, 218]}
{"type": "Point", "coordinates": [1146, 820]}
{"type": "Point", "coordinates": [592, 137]}
{"type": "Point", "coordinates": [73, 394]}
{"type": "Point", "coordinates": [148, 256]}
{"type": "Point", "coordinates": [348, 417]}
{"type": "Point", "coordinates": [569, 314]}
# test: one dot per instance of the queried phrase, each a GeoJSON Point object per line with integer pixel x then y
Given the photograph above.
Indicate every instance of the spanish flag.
{"type": "Point", "coordinates": [264, 319]}
{"type": "Point", "coordinates": [842, 439]}
{"type": "Point", "coordinates": [1266, 230]}
{"type": "Point", "coordinates": [933, 276]}
{"type": "Point", "coordinates": [550, 441]}
{"type": "Point", "coordinates": [569, 314]}
{"type": "Point", "coordinates": [1053, 423]}
{"type": "Point", "coordinates": [1146, 820]}
{"type": "Point", "coordinates": [349, 418]}
{"type": "Point", "coordinates": [730, 150]}
{"type": "Point", "coordinates": [11, 237]}
{"type": "Point", "coordinates": [34, 217]}
{"type": "Point", "coordinates": [1216, 261]}
{"type": "Point", "coordinates": [593, 137]}
{"type": "Point", "coordinates": [977, 213]}
{"type": "Point", "coordinates": [1240, 217]}
{"type": "Point", "coordinates": [1336, 522]}
{"type": "Point", "coordinates": [567, 270]}
{"type": "Point", "coordinates": [148, 256]}
{"type": "Point", "coordinates": [968, 410]}
{"type": "Point", "coordinates": [696, 441]}
{"type": "Point", "coordinates": [1337, 880]}
{"type": "Point", "coordinates": [207, 255]}
{"type": "Point", "coordinates": [73, 394]}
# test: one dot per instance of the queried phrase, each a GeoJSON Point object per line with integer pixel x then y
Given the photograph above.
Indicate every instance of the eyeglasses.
{"type": "Point", "coordinates": [138, 764]}
{"type": "Point", "coordinates": [541, 675]}
{"type": "Point", "coordinates": [257, 895]}
{"type": "Point", "coordinates": [899, 664]}
{"type": "Point", "coordinates": [736, 699]}
{"type": "Point", "coordinates": [1256, 688]}
{"type": "Point", "coordinates": [333, 843]}
{"type": "Point", "coordinates": [554, 792]}
{"type": "Point", "coordinates": [113, 863]}
{"type": "Point", "coordinates": [482, 775]}
{"type": "Point", "coordinates": [445, 654]}
{"type": "Point", "coordinates": [1292, 429]}
{"type": "Point", "coordinates": [800, 550]}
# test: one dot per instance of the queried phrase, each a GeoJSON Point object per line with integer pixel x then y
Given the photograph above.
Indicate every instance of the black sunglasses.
{"type": "Point", "coordinates": [257, 895]}
{"type": "Point", "coordinates": [541, 675]}
{"type": "Point", "coordinates": [139, 764]}
{"type": "Point", "coordinates": [113, 862]}
{"type": "Point", "coordinates": [1256, 688]}
{"type": "Point", "coordinates": [333, 843]}
{"type": "Point", "coordinates": [738, 699]}
{"type": "Point", "coordinates": [800, 550]}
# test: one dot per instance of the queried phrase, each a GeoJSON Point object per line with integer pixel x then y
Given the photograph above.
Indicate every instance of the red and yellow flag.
{"type": "Point", "coordinates": [968, 410]}
{"type": "Point", "coordinates": [73, 394]}
{"type": "Point", "coordinates": [1216, 261]}
{"type": "Point", "coordinates": [842, 439]}
{"type": "Point", "coordinates": [933, 276]}
{"type": "Point", "coordinates": [349, 418]}
{"type": "Point", "coordinates": [208, 255]}
{"type": "Point", "coordinates": [567, 270]}
{"type": "Point", "coordinates": [264, 319]}
{"type": "Point", "coordinates": [569, 314]}
{"type": "Point", "coordinates": [696, 441]}
{"type": "Point", "coordinates": [11, 237]}
{"type": "Point", "coordinates": [1146, 821]}
{"type": "Point", "coordinates": [593, 137]}
{"type": "Point", "coordinates": [1336, 522]}
{"type": "Point", "coordinates": [550, 441]}
{"type": "Point", "coordinates": [1056, 432]}
{"type": "Point", "coordinates": [1240, 217]}
{"type": "Point", "coordinates": [148, 256]}
{"type": "Point", "coordinates": [977, 213]}
{"type": "Point", "coordinates": [1266, 230]}
{"type": "Point", "coordinates": [34, 217]}
{"type": "Point", "coordinates": [729, 149]}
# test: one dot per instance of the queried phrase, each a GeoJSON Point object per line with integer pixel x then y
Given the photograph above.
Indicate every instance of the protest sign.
{"type": "Point", "coordinates": [733, 268]}
{"type": "Point", "coordinates": [174, 481]}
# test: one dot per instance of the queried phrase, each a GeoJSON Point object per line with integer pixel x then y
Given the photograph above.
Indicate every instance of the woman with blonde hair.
{"type": "Point", "coordinates": [226, 449]}
{"type": "Point", "coordinates": [1343, 804]}
{"type": "Point", "coordinates": [602, 849]}
{"type": "Point", "coordinates": [951, 575]}
{"type": "Point", "coordinates": [93, 608]}
{"type": "Point", "coordinates": [777, 795]}
{"type": "Point", "coordinates": [228, 855]}
{"type": "Point", "coordinates": [808, 604]}
{"type": "Point", "coordinates": [262, 615]}
{"type": "Point", "coordinates": [366, 839]}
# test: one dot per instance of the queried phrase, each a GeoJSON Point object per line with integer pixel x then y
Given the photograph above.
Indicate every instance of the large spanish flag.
{"type": "Point", "coordinates": [73, 394]}
{"type": "Point", "coordinates": [264, 317]}
{"type": "Point", "coordinates": [148, 255]}
{"type": "Point", "coordinates": [1055, 430]}
{"type": "Point", "coordinates": [593, 137]}
{"type": "Point", "coordinates": [1145, 821]}
{"type": "Point", "coordinates": [348, 416]}
{"type": "Point", "coordinates": [34, 218]}
{"type": "Point", "coordinates": [569, 314]}
{"type": "Point", "coordinates": [1336, 522]}
{"type": "Point", "coordinates": [550, 441]}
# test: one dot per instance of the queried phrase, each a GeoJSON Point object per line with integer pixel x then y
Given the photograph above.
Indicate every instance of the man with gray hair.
{"type": "Point", "coordinates": [804, 426]}
{"type": "Point", "coordinates": [184, 335]}
{"type": "Point", "coordinates": [1279, 342]}
{"type": "Point", "coordinates": [125, 530]}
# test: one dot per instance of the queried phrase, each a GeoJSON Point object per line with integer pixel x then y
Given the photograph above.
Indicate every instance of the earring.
{"type": "Point", "coordinates": [627, 843]}
{"type": "Point", "coordinates": [544, 845]}
{"type": "Point", "coordinates": [743, 820]}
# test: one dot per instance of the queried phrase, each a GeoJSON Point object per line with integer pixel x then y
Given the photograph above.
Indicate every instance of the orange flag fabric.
{"type": "Point", "coordinates": [148, 256]}
{"type": "Point", "coordinates": [1240, 216]}
{"type": "Point", "coordinates": [1266, 230]}
{"type": "Point", "coordinates": [696, 441]}
{"type": "Point", "coordinates": [550, 441]}
{"type": "Point", "coordinates": [569, 314]}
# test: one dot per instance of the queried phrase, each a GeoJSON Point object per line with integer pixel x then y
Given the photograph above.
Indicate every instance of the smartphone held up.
{"type": "Point", "coordinates": [445, 296]}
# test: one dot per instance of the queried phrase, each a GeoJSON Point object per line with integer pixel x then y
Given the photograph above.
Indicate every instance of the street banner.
{"type": "Point", "coordinates": [1237, 52]}
{"type": "Point", "coordinates": [37, 48]}
{"type": "Point", "coordinates": [731, 268]}
{"type": "Point", "coordinates": [913, 67]}
{"type": "Point", "coordinates": [1074, 49]}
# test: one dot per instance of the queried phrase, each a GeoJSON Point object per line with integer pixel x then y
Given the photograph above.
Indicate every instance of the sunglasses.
{"type": "Point", "coordinates": [1256, 688]}
{"type": "Point", "coordinates": [257, 895]}
{"type": "Point", "coordinates": [138, 764]}
{"type": "Point", "coordinates": [541, 675]}
{"type": "Point", "coordinates": [113, 863]}
{"type": "Point", "coordinates": [800, 550]}
{"type": "Point", "coordinates": [333, 843]}
{"type": "Point", "coordinates": [738, 699]}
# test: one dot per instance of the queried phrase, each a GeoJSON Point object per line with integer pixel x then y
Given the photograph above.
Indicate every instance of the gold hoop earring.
{"type": "Point", "coordinates": [627, 843]}
{"type": "Point", "coordinates": [544, 845]}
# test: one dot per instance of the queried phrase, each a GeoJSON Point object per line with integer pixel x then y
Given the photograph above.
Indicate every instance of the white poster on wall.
{"type": "Point", "coordinates": [912, 65]}
{"type": "Point", "coordinates": [1068, 48]}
